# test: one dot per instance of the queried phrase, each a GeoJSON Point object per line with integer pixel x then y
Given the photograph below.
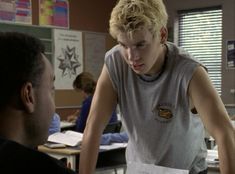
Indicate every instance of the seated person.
{"type": "Point", "coordinates": [55, 124]}
{"type": "Point", "coordinates": [110, 138]}
{"type": "Point", "coordinates": [26, 106]}
{"type": "Point", "coordinates": [85, 83]}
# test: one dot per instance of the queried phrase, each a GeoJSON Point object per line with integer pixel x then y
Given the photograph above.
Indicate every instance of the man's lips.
{"type": "Point", "coordinates": [137, 66]}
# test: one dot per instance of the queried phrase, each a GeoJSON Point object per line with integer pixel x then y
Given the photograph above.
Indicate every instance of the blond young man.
{"type": "Point", "coordinates": [165, 96]}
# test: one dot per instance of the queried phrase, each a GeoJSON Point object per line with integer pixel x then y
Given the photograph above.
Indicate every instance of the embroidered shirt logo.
{"type": "Point", "coordinates": [164, 113]}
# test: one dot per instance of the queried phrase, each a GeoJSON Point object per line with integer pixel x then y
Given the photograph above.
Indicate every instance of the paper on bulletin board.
{"type": "Point", "coordinates": [95, 47]}
{"type": "Point", "coordinates": [17, 11]}
{"type": "Point", "coordinates": [231, 54]}
{"type": "Point", "coordinates": [68, 57]}
{"type": "Point", "coordinates": [23, 11]}
{"type": "Point", "coordinates": [54, 13]}
{"type": "Point", "coordinates": [7, 10]}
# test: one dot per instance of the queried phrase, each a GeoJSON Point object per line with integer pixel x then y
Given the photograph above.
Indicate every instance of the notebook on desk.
{"type": "Point", "coordinates": [69, 138]}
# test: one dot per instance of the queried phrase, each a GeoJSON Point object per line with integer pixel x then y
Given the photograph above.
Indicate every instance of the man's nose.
{"type": "Point", "coordinates": [132, 54]}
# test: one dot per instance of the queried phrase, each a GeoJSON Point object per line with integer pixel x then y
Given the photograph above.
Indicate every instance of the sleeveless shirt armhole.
{"type": "Point", "coordinates": [194, 110]}
{"type": "Point", "coordinates": [107, 64]}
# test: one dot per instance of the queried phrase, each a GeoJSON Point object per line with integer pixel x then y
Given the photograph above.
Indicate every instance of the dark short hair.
{"type": "Point", "coordinates": [21, 61]}
{"type": "Point", "coordinates": [85, 82]}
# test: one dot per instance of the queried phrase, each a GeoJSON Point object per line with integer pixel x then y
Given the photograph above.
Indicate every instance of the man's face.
{"type": "Point", "coordinates": [44, 103]}
{"type": "Point", "coordinates": [141, 51]}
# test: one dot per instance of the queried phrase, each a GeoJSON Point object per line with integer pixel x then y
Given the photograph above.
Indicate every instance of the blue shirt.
{"type": "Point", "coordinates": [110, 138]}
{"type": "Point", "coordinates": [81, 120]}
{"type": "Point", "coordinates": [55, 124]}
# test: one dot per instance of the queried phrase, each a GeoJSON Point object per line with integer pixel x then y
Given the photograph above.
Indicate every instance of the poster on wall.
{"type": "Point", "coordinates": [23, 11]}
{"type": "Point", "coordinates": [54, 13]}
{"type": "Point", "coordinates": [68, 57]}
{"type": "Point", "coordinates": [17, 11]}
{"type": "Point", "coordinates": [7, 10]}
{"type": "Point", "coordinates": [231, 54]}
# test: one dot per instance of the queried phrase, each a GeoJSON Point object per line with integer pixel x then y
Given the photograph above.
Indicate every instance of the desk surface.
{"type": "Point", "coordinates": [108, 157]}
{"type": "Point", "coordinates": [66, 151]}
{"type": "Point", "coordinates": [212, 160]}
{"type": "Point", "coordinates": [66, 124]}
{"type": "Point", "coordinates": [76, 150]}
{"type": "Point", "coordinates": [119, 154]}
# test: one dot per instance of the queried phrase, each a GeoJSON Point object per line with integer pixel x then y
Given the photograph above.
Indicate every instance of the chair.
{"type": "Point", "coordinates": [113, 127]}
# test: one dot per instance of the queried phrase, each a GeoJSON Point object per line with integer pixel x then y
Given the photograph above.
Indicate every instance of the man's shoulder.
{"type": "Point", "coordinates": [16, 158]}
{"type": "Point", "coordinates": [113, 52]}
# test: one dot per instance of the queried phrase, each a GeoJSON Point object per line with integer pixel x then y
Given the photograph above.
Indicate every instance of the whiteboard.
{"type": "Point", "coordinates": [95, 48]}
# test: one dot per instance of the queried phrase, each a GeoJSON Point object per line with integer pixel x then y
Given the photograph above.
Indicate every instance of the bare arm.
{"type": "Point", "coordinates": [214, 117]}
{"type": "Point", "coordinates": [103, 103]}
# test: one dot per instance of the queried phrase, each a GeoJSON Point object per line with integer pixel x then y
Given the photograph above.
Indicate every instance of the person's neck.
{"type": "Point", "coordinates": [159, 64]}
{"type": "Point", "coordinates": [11, 127]}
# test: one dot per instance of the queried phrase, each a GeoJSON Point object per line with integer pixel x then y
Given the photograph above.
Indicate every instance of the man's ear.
{"type": "Point", "coordinates": [27, 97]}
{"type": "Point", "coordinates": [163, 35]}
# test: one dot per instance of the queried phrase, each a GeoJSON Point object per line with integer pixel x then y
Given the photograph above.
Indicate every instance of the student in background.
{"type": "Point", "coordinates": [55, 124]}
{"type": "Point", "coordinates": [85, 83]}
{"type": "Point", "coordinates": [109, 138]}
{"type": "Point", "coordinates": [26, 106]}
{"type": "Point", "coordinates": [159, 88]}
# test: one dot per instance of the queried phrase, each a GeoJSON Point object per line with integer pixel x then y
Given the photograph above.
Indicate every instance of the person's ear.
{"type": "Point", "coordinates": [27, 97]}
{"type": "Point", "coordinates": [163, 35]}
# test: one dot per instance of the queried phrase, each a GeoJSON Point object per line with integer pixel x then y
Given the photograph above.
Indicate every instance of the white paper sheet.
{"type": "Point", "coordinates": [113, 146]}
{"type": "Point", "coordinates": [70, 138]}
{"type": "Point", "coordinates": [139, 168]}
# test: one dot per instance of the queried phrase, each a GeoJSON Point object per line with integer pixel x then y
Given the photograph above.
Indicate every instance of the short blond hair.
{"type": "Point", "coordinates": [131, 15]}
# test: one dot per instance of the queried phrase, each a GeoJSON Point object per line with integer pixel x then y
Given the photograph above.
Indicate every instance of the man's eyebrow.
{"type": "Point", "coordinates": [137, 43]}
{"type": "Point", "coordinates": [140, 42]}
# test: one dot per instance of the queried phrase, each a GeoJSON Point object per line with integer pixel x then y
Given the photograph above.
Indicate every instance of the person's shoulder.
{"type": "Point", "coordinates": [113, 52]}
{"type": "Point", "coordinates": [16, 158]}
{"type": "Point", "coordinates": [180, 54]}
{"type": "Point", "coordinates": [180, 59]}
{"type": "Point", "coordinates": [88, 100]}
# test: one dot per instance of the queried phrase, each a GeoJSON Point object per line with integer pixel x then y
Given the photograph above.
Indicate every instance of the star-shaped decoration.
{"type": "Point", "coordinates": [68, 61]}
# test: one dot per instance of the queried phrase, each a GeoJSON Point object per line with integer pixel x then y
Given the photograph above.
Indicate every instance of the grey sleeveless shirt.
{"type": "Point", "coordinates": [156, 114]}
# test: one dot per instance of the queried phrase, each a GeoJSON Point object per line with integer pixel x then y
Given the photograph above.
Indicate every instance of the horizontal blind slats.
{"type": "Point", "coordinates": [200, 33]}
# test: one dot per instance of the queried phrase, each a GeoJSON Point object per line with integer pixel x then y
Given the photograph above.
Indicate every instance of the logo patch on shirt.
{"type": "Point", "coordinates": [164, 113]}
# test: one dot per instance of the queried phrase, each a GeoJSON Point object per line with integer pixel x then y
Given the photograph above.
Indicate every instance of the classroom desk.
{"type": "Point", "coordinates": [212, 162]}
{"type": "Point", "coordinates": [65, 125]}
{"type": "Point", "coordinates": [59, 153]}
{"type": "Point", "coordinates": [110, 157]}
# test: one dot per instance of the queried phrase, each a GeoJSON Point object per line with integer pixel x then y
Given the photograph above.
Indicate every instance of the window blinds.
{"type": "Point", "coordinates": [200, 33]}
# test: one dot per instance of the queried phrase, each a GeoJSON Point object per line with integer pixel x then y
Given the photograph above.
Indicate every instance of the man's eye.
{"type": "Point", "coordinates": [140, 45]}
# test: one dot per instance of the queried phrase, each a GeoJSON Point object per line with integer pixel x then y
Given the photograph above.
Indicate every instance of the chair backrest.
{"type": "Point", "coordinates": [113, 127]}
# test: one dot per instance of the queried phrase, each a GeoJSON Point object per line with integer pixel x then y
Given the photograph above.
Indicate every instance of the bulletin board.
{"type": "Point", "coordinates": [94, 48]}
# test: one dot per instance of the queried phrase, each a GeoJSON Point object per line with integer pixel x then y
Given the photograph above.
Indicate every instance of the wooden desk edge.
{"type": "Point", "coordinates": [66, 150]}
